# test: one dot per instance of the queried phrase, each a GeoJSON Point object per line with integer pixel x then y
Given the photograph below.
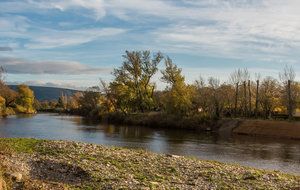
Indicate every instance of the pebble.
{"type": "Point", "coordinates": [129, 169]}
{"type": "Point", "coordinates": [15, 176]}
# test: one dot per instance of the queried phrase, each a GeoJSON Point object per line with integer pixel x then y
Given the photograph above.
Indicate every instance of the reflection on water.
{"type": "Point", "coordinates": [259, 152]}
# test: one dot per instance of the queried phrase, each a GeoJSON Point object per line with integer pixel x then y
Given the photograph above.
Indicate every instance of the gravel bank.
{"type": "Point", "coordinates": [72, 165]}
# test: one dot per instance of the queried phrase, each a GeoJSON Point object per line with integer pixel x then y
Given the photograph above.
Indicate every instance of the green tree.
{"type": "Point", "coordinates": [89, 102]}
{"type": "Point", "coordinates": [26, 96]}
{"type": "Point", "coordinates": [131, 85]}
{"type": "Point", "coordinates": [177, 99]}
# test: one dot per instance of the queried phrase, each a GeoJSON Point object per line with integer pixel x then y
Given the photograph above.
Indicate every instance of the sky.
{"type": "Point", "coordinates": [73, 43]}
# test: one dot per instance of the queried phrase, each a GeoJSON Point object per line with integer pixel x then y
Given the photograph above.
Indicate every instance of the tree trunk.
{"type": "Point", "coordinates": [256, 103]}
{"type": "Point", "coordinates": [236, 98]}
{"type": "Point", "coordinates": [290, 101]}
{"type": "Point", "coordinates": [250, 108]}
{"type": "Point", "coordinates": [245, 99]}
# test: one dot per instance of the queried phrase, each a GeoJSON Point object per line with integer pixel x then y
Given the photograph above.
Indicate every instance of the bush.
{"type": "Point", "coordinates": [20, 109]}
{"type": "Point", "coordinates": [8, 111]}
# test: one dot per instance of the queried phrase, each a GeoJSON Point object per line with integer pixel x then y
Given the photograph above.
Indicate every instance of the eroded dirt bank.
{"type": "Point", "coordinates": [278, 129]}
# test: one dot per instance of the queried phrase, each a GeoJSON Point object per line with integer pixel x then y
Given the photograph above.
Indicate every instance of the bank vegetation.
{"type": "Point", "coordinates": [14, 102]}
{"type": "Point", "coordinates": [131, 97]}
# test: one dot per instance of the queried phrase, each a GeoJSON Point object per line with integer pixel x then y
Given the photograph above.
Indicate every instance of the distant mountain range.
{"type": "Point", "coordinates": [52, 94]}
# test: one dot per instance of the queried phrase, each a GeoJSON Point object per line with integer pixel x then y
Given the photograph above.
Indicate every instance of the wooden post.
{"type": "Point", "coordinates": [250, 109]}
{"type": "Point", "coordinates": [290, 101]}
{"type": "Point", "coordinates": [246, 114]}
{"type": "Point", "coordinates": [236, 97]}
{"type": "Point", "coordinates": [256, 103]}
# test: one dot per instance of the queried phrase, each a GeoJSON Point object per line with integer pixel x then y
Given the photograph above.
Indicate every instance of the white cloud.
{"type": "Point", "coordinates": [49, 84]}
{"type": "Point", "coordinates": [97, 6]}
{"type": "Point", "coordinates": [21, 66]}
{"type": "Point", "coordinates": [49, 38]}
{"type": "Point", "coordinates": [232, 28]}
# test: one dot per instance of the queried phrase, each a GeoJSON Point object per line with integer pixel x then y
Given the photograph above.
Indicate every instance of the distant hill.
{"type": "Point", "coordinates": [52, 94]}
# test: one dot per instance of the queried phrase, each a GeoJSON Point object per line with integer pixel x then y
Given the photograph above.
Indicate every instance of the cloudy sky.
{"type": "Point", "coordinates": [72, 43]}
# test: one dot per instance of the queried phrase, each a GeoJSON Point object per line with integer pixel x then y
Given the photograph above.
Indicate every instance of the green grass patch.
{"type": "Point", "coordinates": [27, 145]}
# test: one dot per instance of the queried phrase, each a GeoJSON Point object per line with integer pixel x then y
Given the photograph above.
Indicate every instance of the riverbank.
{"type": "Point", "coordinates": [277, 129]}
{"type": "Point", "coordinates": [47, 164]}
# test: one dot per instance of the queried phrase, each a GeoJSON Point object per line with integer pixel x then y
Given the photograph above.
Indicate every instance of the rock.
{"type": "Point", "coordinates": [172, 156]}
{"type": "Point", "coordinates": [208, 129]}
{"type": "Point", "coordinates": [247, 173]}
{"type": "Point", "coordinates": [15, 176]}
{"type": "Point", "coordinates": [2, 184]}
{"type": "Point", "coordinates": [145, 188]}
{"type": "Point", "coordinates": [266, 177]}
{"type": "Point", "coordinates": [62, 170]}
{"type": "Point", "coordinates": [84, 160]}
{"type": "Point", "coordinates": [154, 183]}
{"type": "Point", "coordinates": [51, 168]}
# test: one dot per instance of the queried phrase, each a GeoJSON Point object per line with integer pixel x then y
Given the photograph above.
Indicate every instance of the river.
{"type": "Point", "coordinates": [258, 152]}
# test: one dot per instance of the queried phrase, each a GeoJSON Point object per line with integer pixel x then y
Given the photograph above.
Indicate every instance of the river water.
{"type": "Point", "coordinates": [258, 152]}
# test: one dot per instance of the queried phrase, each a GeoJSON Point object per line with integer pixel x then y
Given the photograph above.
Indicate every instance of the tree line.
{"type": "Point", "coordinates": [12, 102]}
{"type": "Point", "coordinates": [132, 90]}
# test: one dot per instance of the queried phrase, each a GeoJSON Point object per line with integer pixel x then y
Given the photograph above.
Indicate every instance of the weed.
{"type": "Point", "coordinates": [91, 158]}
{"type": "Point", "coordinates": [75, 145]}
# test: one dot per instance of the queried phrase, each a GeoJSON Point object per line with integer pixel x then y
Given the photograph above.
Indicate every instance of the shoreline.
{"type": "Point", "coordinates": [51, 164]}
{"type": "Point", "coordinates": [272, 129]}
{"type": "Point", "coordinates": [251, 127]}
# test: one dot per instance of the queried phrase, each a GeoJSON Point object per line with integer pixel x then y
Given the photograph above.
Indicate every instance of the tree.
{"type": "Point", "coordinates": [289, 89]}
{"type": "Point", "coordinates": [177, 99]}
{"type": "Point", "coordinates": [134, 76]}
{"type": "Point", "coordinates": [226, 94]}
{"type": "Point", "coordinates": [26, 96]}
{"type": "Point", "coordinates": [36, 105]}
{"type": "Point", "coordinates": [8, 94]}
{"type": "Point", "coordinates": [2, 102]}
{"type": "Point", "coordinates": [64, 100]}
{"type": "Point", "coordinates": [269, 94]}
{"type": "Point", "coordinates": [45, 105]}
{"type": "Point", "coordinates": [201, 95]}
{"type": "Point", "coordinates": [257, 78]}
{"type": "Point", "coordinates": [2, 78]}
{"type": "Point", "coordinates": [236, 78]}
{"type": "Point", "coordinates": [89, 101]}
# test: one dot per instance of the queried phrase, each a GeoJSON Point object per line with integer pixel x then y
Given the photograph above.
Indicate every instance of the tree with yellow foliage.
{"type": "Point", "coordinates": [26, 97]}
{"type": "Point", "coordinates": [177, 99]}
{"type": "Point", "coordinates": [269, 94]}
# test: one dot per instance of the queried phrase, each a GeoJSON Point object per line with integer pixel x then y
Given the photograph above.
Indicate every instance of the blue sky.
{"type": "Point", "coordinates": [72, 43]}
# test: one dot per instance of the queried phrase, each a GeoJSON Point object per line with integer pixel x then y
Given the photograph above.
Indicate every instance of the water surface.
{"type": "Point", "coordinates": [258, 152]}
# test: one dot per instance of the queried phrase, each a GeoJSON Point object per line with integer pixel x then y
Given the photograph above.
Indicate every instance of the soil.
{"type": "Point", "coordinates": [278, 129]}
